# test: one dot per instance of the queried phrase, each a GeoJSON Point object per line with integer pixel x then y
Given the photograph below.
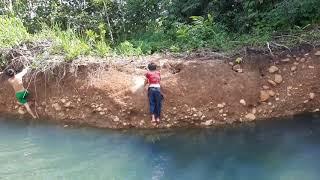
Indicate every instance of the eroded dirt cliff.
{"type": "Point", "coordinates": [198, 91]}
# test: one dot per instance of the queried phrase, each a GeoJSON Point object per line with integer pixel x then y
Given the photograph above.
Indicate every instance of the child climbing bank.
{"type": "Point", "coordinates": [16, 82]}
{"type": "Point", "coordinates": [153, 79]}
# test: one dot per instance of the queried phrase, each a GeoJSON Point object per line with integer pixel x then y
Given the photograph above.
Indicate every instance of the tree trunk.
{"type": "Point", "coordinates": [108, 23]}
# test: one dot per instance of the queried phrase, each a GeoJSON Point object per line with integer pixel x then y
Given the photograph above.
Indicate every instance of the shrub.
{"type": "Point", "coordinates": [12, 32]}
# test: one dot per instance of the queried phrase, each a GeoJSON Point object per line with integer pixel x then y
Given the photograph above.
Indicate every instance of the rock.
{"type": "Point", "coordinates": [21, 111]}
{"type": "Point", "coordinates": [254, 111]}
{"type": "Point", "coordinates": [231, 63]}
{"type": "Point", "coordinates": [272, 82]}
{"type": "Point", "coordinates": [306, 101]}
{"type": "Point", "coordinates": [221, 111]}
{"type": "Point", "coordinates": [311, 67]}
{"type": "Point", "coordinates": [224, 115]}
{"type": "Point", "coordinates": [102, 113]}
{"type": "Point", "coordinates": [56, 107]}
{"type": "Point", "coordinates": [277, 99]}
{"type": "Point", "coordinates": [237, 68]}
{"type": "Point", "coordinates": [243, 102]}
{"type": "Point", "coordinates": [68, 104]}
{"type": "Point", "coordinates": [63, 100]}
{"type": "Point", "coordinates": [99, 109]}
{"type": "Point", "coordinates": [273, 69]}
{"type": "Point", "coordinates": [286, 60]}
{"type": "Point", "coordinates": [296, 63]}
{"type": "Point", "coordinates": [194, 109]}
{"type": "Point", "coordinates": [221, 105]}
{"type": "Point", "coordinates": [116, 119]}
{"type": "Point", "coordinates": [265, 87]}
{"type": "Point", "coordinates": [293, 68]}
{"type": "Point", "coordinates": [312, 95]}
{"type": "Point", "coordinates": [316, 110]}
{"type": "Point", "coordinates": [317, 53]}
{"type": "Point", "coordinates": [303, 60]}
{"type": "Point", "coordinates": [264, 96]}
{"type": "Point", "coordinates": [278, 78]}
{"type": "Point", "coordinates": [207, 123]}
{"type": "Point", "coordinates": [271, 93]}
{"type": "Point", "coordinates": [250, 117]}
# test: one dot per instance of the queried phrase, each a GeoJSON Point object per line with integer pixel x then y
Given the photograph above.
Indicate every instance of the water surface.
{"type": "Point", "coordinates": [284, 150]}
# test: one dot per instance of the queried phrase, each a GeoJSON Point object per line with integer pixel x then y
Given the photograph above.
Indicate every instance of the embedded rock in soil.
{"type": "Point", "coordinates": [273, 69]}
{"type": "Point", "coordinates": [237, 68]}
{"type": "Point", "coordinates": [243, 102]}
{"type": "Point", "coordinates": [278, 78]}
{"type": "Point", "coordinates": [271, 93]}
{"type": "Point", "coordinates": [21, 111]}
{"type": "Point", "coordinates": [264, 96]}
{"type": "Point", "coordinates": [286, 60]}
{"type": "Point", "coordinates": [265, 87]}
{"type": "Point", "coordinates": [207, 123]}
{"type": "Point", "coordinates": [312, 95]}
{"type": "Point", "coordinates": [272, 82]}
{"type": "Point", "coordinates": [250, 117]}
{"type": "Point", "coordinates": [293, 68]}
{"type": "Point", "coordinates": [56, 107]}
{"type": "Point", "coordinates": [311, 67]}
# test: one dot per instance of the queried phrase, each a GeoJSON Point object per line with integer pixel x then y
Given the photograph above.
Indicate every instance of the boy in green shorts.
{"type": "Point", "coordinates": [16, 82]}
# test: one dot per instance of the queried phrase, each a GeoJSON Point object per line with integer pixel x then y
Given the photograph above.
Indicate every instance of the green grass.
{"type": "Point", "coordinates": [12, 32]}
{"type": "Point", "coordinates": [201, 34]}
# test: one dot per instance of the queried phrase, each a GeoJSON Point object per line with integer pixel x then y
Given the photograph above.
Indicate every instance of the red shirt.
{"type": "Point", "coordinates": [153, 77]}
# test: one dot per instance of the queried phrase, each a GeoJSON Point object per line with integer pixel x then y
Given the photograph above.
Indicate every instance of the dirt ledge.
{"type": "Point", "coordinates": [200, 92]}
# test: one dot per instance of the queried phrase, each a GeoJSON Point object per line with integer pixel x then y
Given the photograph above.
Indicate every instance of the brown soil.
{"type": "Point", "coordinates": [198, 92]}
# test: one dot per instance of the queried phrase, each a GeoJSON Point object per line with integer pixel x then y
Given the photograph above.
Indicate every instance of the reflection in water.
{"type": "Point", "coordinates": [285, 150]}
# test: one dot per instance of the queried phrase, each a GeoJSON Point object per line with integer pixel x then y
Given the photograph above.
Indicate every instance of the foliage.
{"type": "Point", "coordinates": [12, 32]}
{"type": "Point", "coordinates": [135, 27]}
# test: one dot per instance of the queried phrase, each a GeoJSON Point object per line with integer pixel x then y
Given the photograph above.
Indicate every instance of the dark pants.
{"type": "Point", "coordinates": [155, 100]}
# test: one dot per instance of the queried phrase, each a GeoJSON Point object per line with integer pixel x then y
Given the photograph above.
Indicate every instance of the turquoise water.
{"type": "Point", "coordinates": [277, 150]}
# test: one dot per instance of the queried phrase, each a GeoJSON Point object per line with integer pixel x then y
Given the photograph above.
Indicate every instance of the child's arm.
{"type": "Point", "coordinates": [22, 73]}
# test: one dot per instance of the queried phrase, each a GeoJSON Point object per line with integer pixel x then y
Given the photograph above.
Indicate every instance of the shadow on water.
{"type": "Point", "coordinates": [274, 149]}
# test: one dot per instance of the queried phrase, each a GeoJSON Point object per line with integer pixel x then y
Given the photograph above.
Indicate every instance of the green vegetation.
{"type": "Point", "coordinates": [138, 27]}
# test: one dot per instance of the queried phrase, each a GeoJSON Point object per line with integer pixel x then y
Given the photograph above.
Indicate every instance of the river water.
{"type": "Point", "coordinates": [273, 150]}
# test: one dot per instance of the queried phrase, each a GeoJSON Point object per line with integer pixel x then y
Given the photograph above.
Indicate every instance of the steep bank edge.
{"type": "Point", "coordinates": [198, 93]}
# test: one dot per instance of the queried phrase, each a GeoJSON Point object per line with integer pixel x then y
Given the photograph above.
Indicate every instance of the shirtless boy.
{"type": "Point", "coordinates": [16, 82]}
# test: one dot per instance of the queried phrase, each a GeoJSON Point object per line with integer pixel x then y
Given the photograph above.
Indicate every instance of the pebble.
{"type": "Point", "coordinates": [243, 102]}
{"type": "Point", "coordinates": [207, 123]}
{"type": "Point", "coordinates": [285, 60]}
{"type": "Point", "coordinates": [271, 93]}
{"type": "Point", "coordinates": [264, 96]}
{"type": "Point", "coordinates": [265, 87]}
{"type": "Point", "coordinates": [293, 68]}
{"type": "Point", "coordinates": [56, 107]}
{"type": "Point", "coordinates": [21, 111]}
{"type": "Point", "coordinates": [250, 117]}
{"type": "Point", "coordinates": [303, 60]}
{"type": "Point", "coordinates": [312, 95]}
{"type": "Point", "coordinates": [278, 78]}
{"type": "Point", "coordinates": [311, 67]}
{"type": "Point", "coordinates": [272, 82]}
{"type": "Point", "coordinates": [273, 69]}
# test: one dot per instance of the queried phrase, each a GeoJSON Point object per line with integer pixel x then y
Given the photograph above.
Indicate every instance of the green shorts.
{"type": "Point", "coordinates": [22, 96]}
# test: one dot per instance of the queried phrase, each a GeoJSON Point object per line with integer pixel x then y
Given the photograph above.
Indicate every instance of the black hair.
{"type": "Point", "coordinates": [10, 72]}
{"type": "Point", "coordinates": [152, 66]}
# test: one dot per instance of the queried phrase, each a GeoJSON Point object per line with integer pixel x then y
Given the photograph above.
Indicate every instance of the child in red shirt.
{"type": "Point", "coordinates": [153, 79]}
